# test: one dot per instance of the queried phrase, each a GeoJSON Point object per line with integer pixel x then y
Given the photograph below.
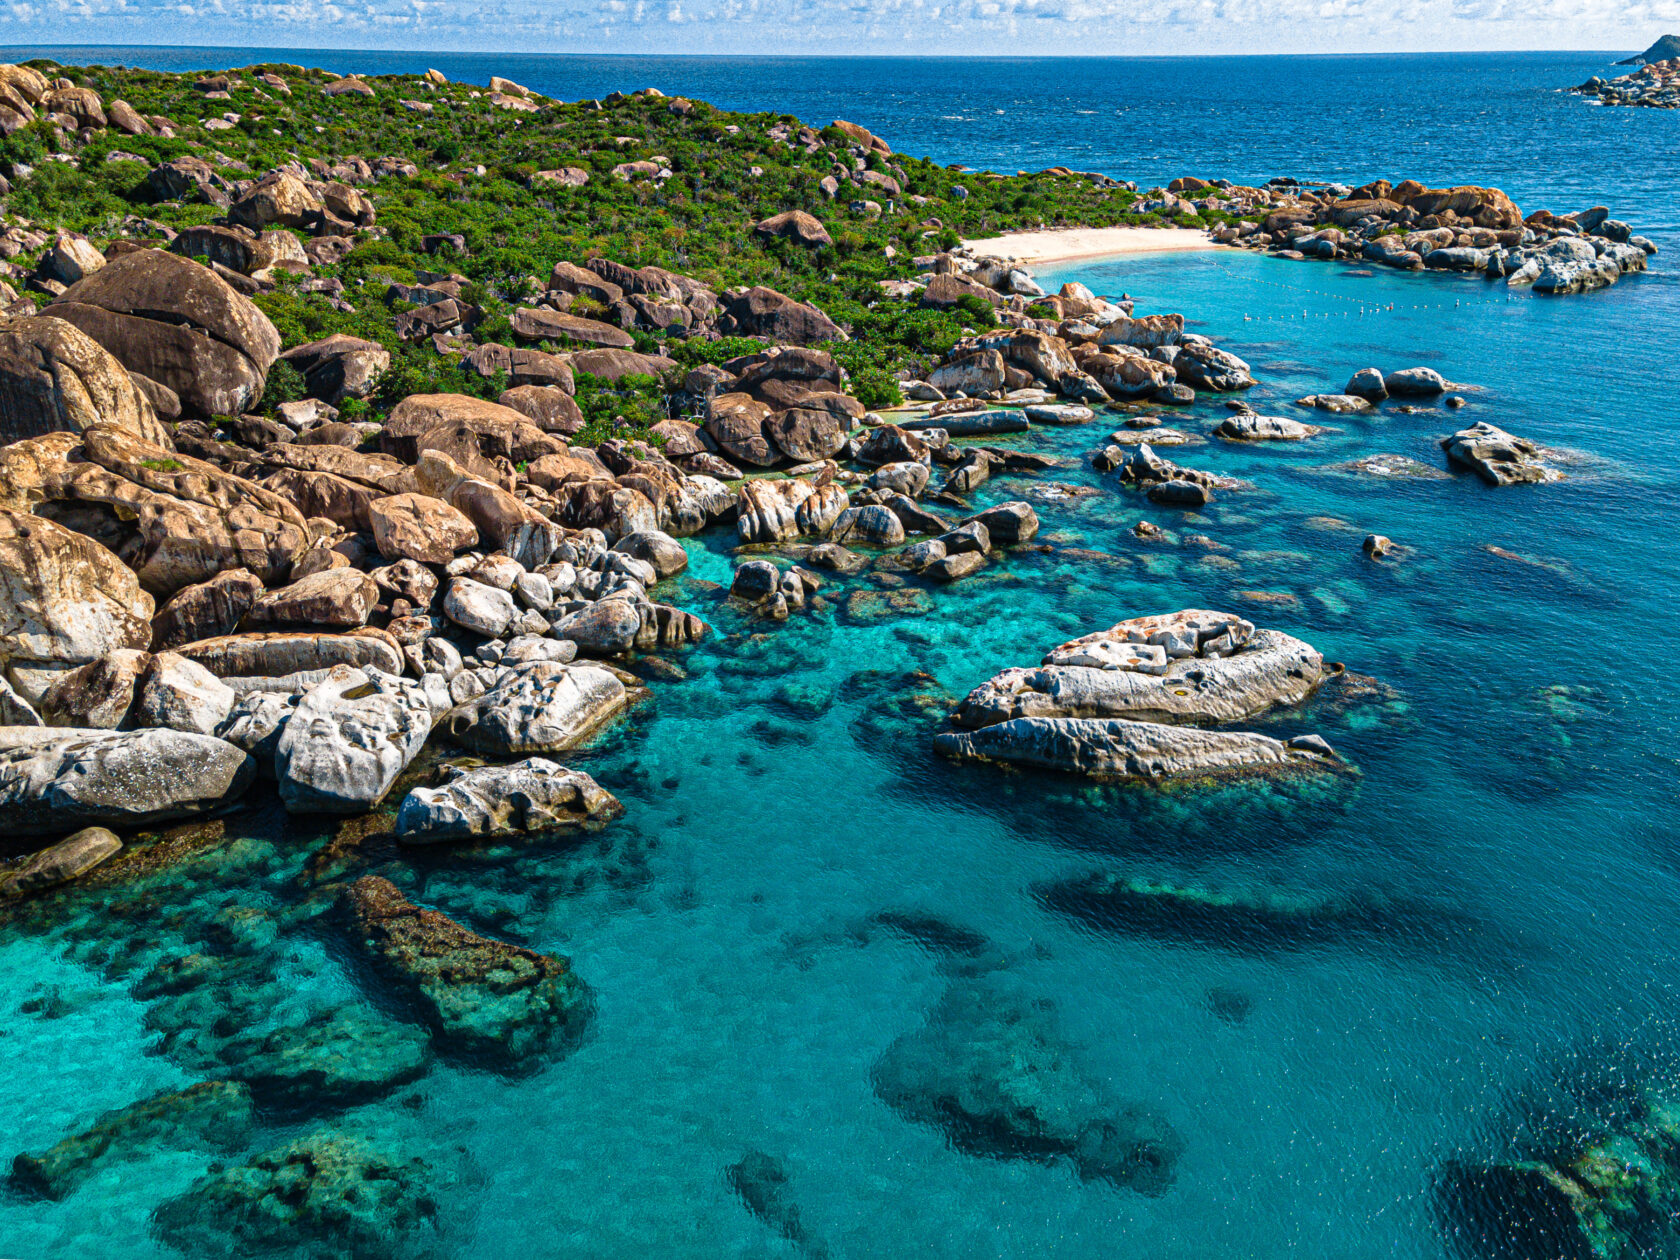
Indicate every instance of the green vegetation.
{"type": "Point", "coordinates": [476, 178]}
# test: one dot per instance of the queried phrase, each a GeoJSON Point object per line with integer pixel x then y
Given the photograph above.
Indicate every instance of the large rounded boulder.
{"type": "Point", "coordinates": [64, 600]}
{"type": "Point", "coordinates": [179, 324]}
{"type": "Point", "coordinates": [55, 378]}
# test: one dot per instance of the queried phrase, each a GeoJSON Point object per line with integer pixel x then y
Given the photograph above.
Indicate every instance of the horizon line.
{"type": "Point", "coordinates": [707, 56]}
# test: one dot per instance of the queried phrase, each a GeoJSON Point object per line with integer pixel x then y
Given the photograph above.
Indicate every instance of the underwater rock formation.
{"type": "Point", "coordinates": [215, 1114]}
{"type": "Point", "coordinates": [327, 1195]}
{"type": "Point", "coordinates": [992, 1071]}
{"type": "Point", "coordinates": [481, 996]}
{"type": "Point", "coordinates": [1612, 1197]}
{"type": "Point", "coordinates": [762, 1182]}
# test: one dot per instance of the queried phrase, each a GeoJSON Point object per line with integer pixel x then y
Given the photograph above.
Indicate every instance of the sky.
{"type": "Point", "coordinates": [829, 27]}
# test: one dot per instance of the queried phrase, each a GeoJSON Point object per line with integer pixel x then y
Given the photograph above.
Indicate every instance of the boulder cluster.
{"type": "Point", "coordinates": [1412, 228]}
{"type": "Point", "coordinates": [1655, 85]}
{"type": "Point", "coordinates": [1138, 701]}
{"type": "Point", "coordinates": [1073, 344]}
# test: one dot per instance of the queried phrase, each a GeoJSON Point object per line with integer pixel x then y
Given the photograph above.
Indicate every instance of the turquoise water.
{"type": "Point", "coordinates": [1445, 956]}
{"type": "Point", "coordinates": [1510, 854]}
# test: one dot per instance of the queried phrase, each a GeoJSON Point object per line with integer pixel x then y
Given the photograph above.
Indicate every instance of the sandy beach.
{"type": "Point", "coordinates": [1059, 246]}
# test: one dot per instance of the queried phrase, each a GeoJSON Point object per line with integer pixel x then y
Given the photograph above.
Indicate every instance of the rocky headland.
{"type": "Point", "coordinates": [1655, 85]}
{"type": "Point", "coordinates": [356, 437]}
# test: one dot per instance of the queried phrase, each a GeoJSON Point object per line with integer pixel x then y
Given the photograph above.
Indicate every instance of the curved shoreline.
{"type": "Point", "coordinates": [1068, 244]}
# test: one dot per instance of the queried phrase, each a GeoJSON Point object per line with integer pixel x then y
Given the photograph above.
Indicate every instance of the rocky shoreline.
{"type": "Point", "coordinates": [1655, 85]}
{"type": "Point", "coordinates": [292, 522]}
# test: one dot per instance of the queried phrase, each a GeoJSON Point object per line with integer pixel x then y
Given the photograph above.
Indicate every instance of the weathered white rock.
{"type": "Point", "coordinates": [478, 607]}
{"type": "Point", "coordinates": [1120, 749]}
{"type": "Point", "coordinates": [347, 741]}
{"type": "Point", "coordinates": [605, 628]}
{"type": "Point", "coordinates": [54, 780]}
{"type": "Point", "coordinates": [544, 707]}
{"type": "Point", "coordinates": [1210, 666]}
{"type": "Point", "coordinates": [766, 510]}
{"type": "Point", "coordinates": [182, 695]}
{"type": "Point", "coordinates": [534, 795]}
{"type": "Point", "coordinates": [1249, 427]}
{"type": "Point", "coordinates": [871, 524]}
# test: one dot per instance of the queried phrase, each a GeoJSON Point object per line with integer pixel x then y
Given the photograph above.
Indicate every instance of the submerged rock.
{"type": "Point", "coordinates": [336, 1057]}
{"type": "Point", "coordinates": [992, 1071]}
{"type": "Point", "coordinates": [482, 996]}
{"type": "Point", "coordinates": [1609, 1197]}
{"type": "Point", "coordinates": [535, 795]}
{"type": "Point", "coordinates": [762, 1182]}
{"type": "Point", "coordinates": [54, 780]}
{"type": "Point", "coordinates": [215, 1114]}
{"type": "Point", "coordinates": [60, 863]}
{"type": "Point", "coordinates": [324, 1196]}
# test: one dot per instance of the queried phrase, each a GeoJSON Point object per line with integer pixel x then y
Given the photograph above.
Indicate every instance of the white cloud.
{"type": "Point", "coordinates": [857, 26]}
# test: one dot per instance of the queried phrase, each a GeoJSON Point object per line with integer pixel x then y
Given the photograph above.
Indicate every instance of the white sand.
{"type": "Point", "coordinates": [1040, 247]}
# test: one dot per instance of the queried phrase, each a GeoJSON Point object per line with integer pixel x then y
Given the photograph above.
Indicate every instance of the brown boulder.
{"type": "Point", "coordinates": [795, 225]}
{"type": "Point", "coordinates": [275, 654]}
{"type": "Point", "coordinates": [806, 434]}
{"type": "Point", "coordinates": [1485, 207]}
{"type": "Point", "coordinates": [615, 365]}
{"type": "Point", "coordinates": [54, 377]}
{"type": "Point", "coordinates": [277, 197]}
{"type": "Point", "coordinates": [339, 367]}
{"type": "Point", "coordinates": [419, 527]}
{"type": "Point", "coordinates": [550, 408]}
{"type": "Point", "coordinates": [501, 430]}
{"type": "Point", "coordinates": [178, 323]}
{"type": "Point", "coordinates": [737, 423]}
{"type": "Point", "coordinates": [862, 136]}
{"type": "Point", "coordinates": [523, 365]}
{"type": "Point", "coordinates": [331, 597]}
{"type": "Point", "coordinates": [539, 325]}
{"type": "Point", "coordinates": [763, 312]}
{"type": "Point", "coordinates": [79, 103]}
{"type": "Point", "coordinates": [323, 495]}
{"type": "Point", "coordinates": [64, 599]}
{"type": "Point", "coordinates": [206, 610]}
{"type": "Point", "coordinates": [176, 520]}
{"type": "Point", "coordinates": [504, 523]}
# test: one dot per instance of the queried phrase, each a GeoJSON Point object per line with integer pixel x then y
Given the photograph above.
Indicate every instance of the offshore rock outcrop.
{"type": "Point", "coordinates": [1098, 704]}
{"type": "Point", "coordinates": [1116, 749]}
{"type": "Point", "coordinates": [1190, 666]}
{"type": "Point", "coordinates": [992, 1070]}
{"type": "Point", "coordinates": [482, 997]}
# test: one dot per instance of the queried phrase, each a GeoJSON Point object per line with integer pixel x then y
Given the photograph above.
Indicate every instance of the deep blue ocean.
{"type": "Point", "coordinates": [1466, 952]}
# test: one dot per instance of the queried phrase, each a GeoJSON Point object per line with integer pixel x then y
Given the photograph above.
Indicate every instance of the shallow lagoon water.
{"type": "Point", "coordinates": [797, 881]}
